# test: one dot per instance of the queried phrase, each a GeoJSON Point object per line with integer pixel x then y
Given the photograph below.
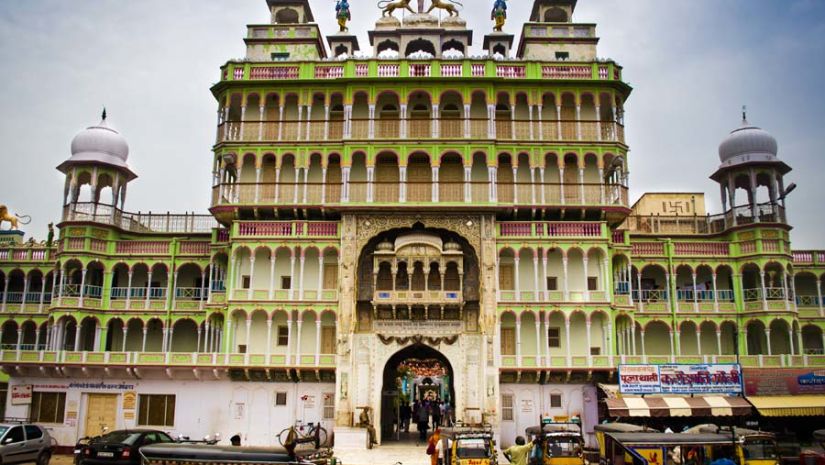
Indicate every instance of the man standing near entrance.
{"type": "Point", "coordinates": [517, 455]}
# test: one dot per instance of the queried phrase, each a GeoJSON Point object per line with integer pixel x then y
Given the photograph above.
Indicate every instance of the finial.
{"type": "Point", "coordinates": [744, 114]}
{"type": "Point", "coordinates": [103, 116]}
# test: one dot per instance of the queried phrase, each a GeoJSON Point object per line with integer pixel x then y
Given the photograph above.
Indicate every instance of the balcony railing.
{"type": "Point", "coordinates": [549, 229]}
{"type": "Point", "coordinates": [710, 224]}
{"type": "Point", "coordinates": [476, 193]}
{"type": "Point", "coordinates": [420, 128]}
{"type": "Point", "coordinates": [417, 297]}
{"type": "Point", "coordinates": [25, 254]}
{"type": "Point", "coordinates": [139, 222]}
{"type": "Point", "coordinates": [418, 69]}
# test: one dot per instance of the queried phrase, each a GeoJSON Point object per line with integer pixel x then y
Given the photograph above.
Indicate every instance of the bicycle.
{"type": "Point", "coordinates": [311, 433]}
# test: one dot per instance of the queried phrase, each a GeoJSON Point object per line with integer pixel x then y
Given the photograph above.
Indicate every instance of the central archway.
{"type": "Point", "coordinates": [414, 373]}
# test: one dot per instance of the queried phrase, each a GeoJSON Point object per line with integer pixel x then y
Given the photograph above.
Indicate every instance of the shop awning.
{"type": "Point", "coordinates": [789, 406]}
{"type": "Point", "coordinates": [678, 406]}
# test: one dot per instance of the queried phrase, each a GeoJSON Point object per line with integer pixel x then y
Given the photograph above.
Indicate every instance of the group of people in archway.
{"type": "Point", "coordinates": [427, 414]}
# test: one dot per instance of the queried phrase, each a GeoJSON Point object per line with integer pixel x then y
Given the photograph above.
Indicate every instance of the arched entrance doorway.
{"type": "Point", "coordinates": [417, 373]}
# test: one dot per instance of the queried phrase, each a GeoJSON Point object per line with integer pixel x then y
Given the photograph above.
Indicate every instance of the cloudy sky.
{"type": "Point", "coordinates": [693, 64]}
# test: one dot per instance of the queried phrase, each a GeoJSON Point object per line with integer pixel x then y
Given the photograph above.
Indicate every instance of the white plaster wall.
{"type": "Point", "coordinates": [532, 401]}
{"type": "Point", "coordinates": [201, 407]}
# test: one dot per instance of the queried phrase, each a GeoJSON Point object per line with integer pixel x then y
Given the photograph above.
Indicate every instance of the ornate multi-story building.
{"type": "Point", "coordinates": [465, 218]}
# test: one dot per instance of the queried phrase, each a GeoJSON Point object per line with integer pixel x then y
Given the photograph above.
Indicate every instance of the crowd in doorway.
{"type": "Point", "coordinates": [427, 414]}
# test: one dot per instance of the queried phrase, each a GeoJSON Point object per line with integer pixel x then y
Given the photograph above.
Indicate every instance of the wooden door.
{"type": "Point", "coordinates": [331, 276]}
{"type": "Point", "coordinates": [101, 412]}
{"type": "Point", "coordinates": [506, 277]}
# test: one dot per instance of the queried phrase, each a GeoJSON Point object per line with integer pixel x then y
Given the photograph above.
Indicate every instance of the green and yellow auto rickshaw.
{"type": "Point", "coordinates": [561, 443]}
{"type": "Point", "coordinates": [469, 446]}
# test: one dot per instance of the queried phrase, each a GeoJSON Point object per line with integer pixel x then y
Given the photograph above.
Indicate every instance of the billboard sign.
{"type": "Point", "coordinates": [681, 379]}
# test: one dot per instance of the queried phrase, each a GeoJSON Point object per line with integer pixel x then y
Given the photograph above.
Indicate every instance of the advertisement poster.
{"type": "Point", "coordinates": [21, 394]}
{"type": "Point", "coordinates": [701, 379]}
{"type": "Point", "coordinates": [639, 379]}
{"type": "Point", "coordinates": [129, 400]}
{"type": "Point", "coordinates": [786, 382]}
{"type": "Point", "coordinates": [680, 379]}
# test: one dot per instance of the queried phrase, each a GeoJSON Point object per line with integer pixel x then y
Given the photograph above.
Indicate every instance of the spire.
{"type": "Point", "coordinates": [103, 116]}
{"type": "Point", "coordinates": [744, 115]}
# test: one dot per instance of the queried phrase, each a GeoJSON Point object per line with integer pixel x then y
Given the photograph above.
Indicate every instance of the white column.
{"type": "Point", "coordinates": [207, 343]}
{"type": "Point", "coordinates": [718, 342]}
{"type": "Point", "coordinates": [674, 348]}
{"type": "Point", "coordinates": [544, 275]}
{"type": "Point", "coordinates": [298, 340]}
{"type": "Point", "coordinates": [292, 274]}
{"type": "Point", "coordinates": [26, 282]}
{"type": "Point", "coordinates": [698, 341]}
{"type": "Point", "coordinates": [695, 294]}
{"type": "Point", "coordinates": [588, 323]}
{"type": "Point", "coordinates": [546, 342]}
{"type": "Point", "coordinates": [318, 340]}
{"type": "Point", "coordinates": [372, 121]}
{"type": "Point", "coordinates": [289, 339]}
{"type": "Point", "coordinates": [567, 337]}
{"type": "Point", "coordinates": [768, 338]}
{"type": "Point", "coordinates": [644, 351]}
{"type": "Point", "coordinates": [148, 289]}
{"type": "Point", "coordinates": [143, 344]}
{"type": "Point", "coordinates": [468, 184]}
{"type": "Point", "coordinates": [764, 290]}
{"type": "Point", "coordinates": [247, 335]}
{"type": "Point", "coordinates": [271, 275]}
{"type": "Point", "coordinates": [579, 121]}
{"type": "Point", "coordinates": [566, 286]}
{"type": "Point", "coordinates": [607, 338]}
{"type": "Point", "coordinates": [268, 338]}
{"type": "Point", "coordinates": [434, 183]}
{"type": "Point", "coordinates": [125, 333]}
{"type": "Point", "coordinates": [370, 184]}
{"type": "Point", "coordinates": [320, 295]}
{"type": "Point", "coordinates": [586, 287]}
{"type": "Point", "coordinates": [715, 296]}
{"type": "Point", "coordinates": [129, 288]}
{"type": "Point", "coordinates": [250, 293]}
{"type": "Point", "coordinates": [301, 275]}
{"type": "Point", "coordinates": [82, 287]}
{"type": "Point", "coordinates": [633, 337]}
{"type": "Point", "coordinates": [77, 337]}
{"type": "Point", "coordinates": [536, 291]}
{"type": "Point", "coordinates": [517, 280]}
{"type": "Point", "coordinates": [791, 340]}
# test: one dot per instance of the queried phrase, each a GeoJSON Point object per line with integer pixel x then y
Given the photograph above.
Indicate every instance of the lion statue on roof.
{"type": "Point", "coordinates": [13, 219]}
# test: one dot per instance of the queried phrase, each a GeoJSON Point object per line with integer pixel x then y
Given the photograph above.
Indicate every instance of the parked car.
{"type": "Point", "coordinates": [24, 442]}
{"type": "Point", "coordinates": [120, 447]}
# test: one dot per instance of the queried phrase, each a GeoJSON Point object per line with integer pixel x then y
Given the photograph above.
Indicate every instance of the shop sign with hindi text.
{"type": "Point", "coordinates": [680, 379]}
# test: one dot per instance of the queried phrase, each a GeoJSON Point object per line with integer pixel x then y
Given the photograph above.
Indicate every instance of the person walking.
{"type": "Point", "coordinates": [435, 408]}
{"type": "Point", "coordinates": [422, 421]}
{"type": "Point", "coordinates": [433, 446]}
{"type": "Point", "coordinates": [405, 414]}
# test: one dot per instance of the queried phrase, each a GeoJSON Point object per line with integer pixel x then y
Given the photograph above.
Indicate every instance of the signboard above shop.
{"type": "Point", "coordinates": [681, 379]}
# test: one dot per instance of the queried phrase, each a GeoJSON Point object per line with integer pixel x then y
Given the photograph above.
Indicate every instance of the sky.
{"type": "Point", "coordinates": [692, 64]}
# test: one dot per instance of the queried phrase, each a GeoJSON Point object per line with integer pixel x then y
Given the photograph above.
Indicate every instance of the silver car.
{"type": "Point", "coordinates": [24, 442]}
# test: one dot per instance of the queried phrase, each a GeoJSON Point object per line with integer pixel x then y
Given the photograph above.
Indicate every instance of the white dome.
{"type": "Point", "coordinates": [102, 144]}
{"type": "Point", "coordinates": [748, 144]}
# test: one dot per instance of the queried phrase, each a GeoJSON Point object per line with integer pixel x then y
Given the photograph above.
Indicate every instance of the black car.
{"type": "Point", "coordinates": [120, 447]}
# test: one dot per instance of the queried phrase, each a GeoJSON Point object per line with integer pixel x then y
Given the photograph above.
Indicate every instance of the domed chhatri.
{"type": "Point", "coordinates": [100, 144]}
{"type": "Point", "coordinates": [748, 143]}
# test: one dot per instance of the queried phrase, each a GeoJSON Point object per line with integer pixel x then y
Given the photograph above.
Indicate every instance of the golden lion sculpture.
{"type": "Point", "coordinates": [388, 7]}
{"type": "Point", "coordinates": [13, 219]}
{"type": "Point", "coordinates": [443, 5]}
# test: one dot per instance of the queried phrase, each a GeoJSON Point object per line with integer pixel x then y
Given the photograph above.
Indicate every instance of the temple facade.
{"type": "Point", "coordinates": [413, 220]}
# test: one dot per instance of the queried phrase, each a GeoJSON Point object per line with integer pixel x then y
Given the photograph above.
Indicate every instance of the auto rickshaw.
{"type": "Point", "coordinates": [469, 446]}
{"type": "Point", "coordinates": [604, 428]}
{"type": "Point", "coordinates": [752, 447]}
{"type": "Point", "coordinates": [561, 443]}
{"type": "Point", "coordinates": [665, 448]}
